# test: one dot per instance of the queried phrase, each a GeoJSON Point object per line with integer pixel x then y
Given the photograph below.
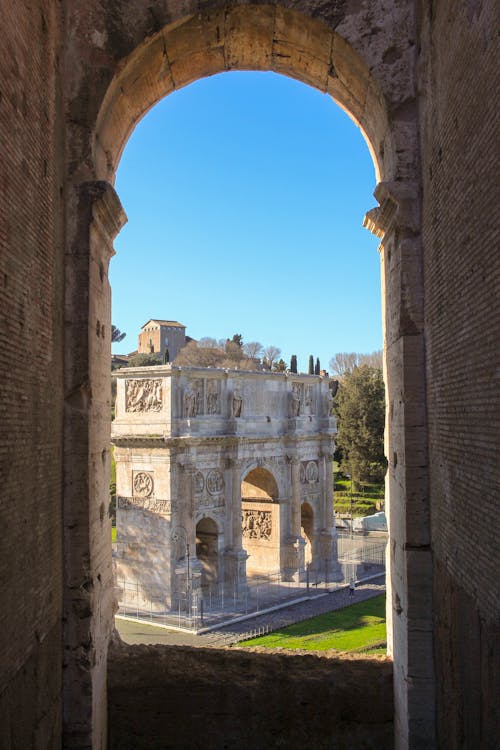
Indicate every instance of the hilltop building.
{"type": "Point", "coordinates": [158, 335]}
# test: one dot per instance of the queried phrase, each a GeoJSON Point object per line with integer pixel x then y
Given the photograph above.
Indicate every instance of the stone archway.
{"type": "Point", "coordinates": [261, 527]}
{"type": "Point", "coordinates": [307, 531]}
{"type": "Point", "coordinates": [207, 551]}
{"type": "Point", "coordinates": [373, 80]}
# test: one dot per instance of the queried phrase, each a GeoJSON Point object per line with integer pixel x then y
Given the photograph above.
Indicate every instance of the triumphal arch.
{"type": "Point", "coordinates": [228, 472]}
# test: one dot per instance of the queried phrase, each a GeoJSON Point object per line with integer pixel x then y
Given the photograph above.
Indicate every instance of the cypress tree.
{"type": "Point", "coordinates": [317, 367]}
{"type": "Point", "coordinates": [293, 363]}
{"type": "Point", "coordinates": [311, 365]}
{"type": "Point", "coordinates": [166, 357]}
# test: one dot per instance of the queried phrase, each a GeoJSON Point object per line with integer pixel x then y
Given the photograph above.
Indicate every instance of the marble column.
{"type": "Point", "coordinates": [327, 558]}
{"type": "Point", "coordinates": [293, 545]}
{"type": "Point", "coordinates": [187, 573]}
{"type": "Point", "coordinates": [235, 555]}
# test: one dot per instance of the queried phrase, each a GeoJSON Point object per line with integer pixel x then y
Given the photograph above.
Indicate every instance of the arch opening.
{"type": "Point", "coordinates": [260, 522]}
{"type": "Point", "coordinates": [207, 551]}
{"type": "Point", "coordinates": [307, 531]}
{"type": "Point", "coordinates": [133, 91]}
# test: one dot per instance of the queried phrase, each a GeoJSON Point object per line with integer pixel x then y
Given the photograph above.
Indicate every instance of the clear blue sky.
{"type": "Point", "coordinates": [245, 195]}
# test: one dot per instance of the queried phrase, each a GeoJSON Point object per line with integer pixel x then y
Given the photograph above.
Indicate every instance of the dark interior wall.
{"type": "Point", "coordinates": [459, 136]}
{"type": "Point", "coordinates": [30, 377]}
{"type": "Point", "coordinates": [197, 699]}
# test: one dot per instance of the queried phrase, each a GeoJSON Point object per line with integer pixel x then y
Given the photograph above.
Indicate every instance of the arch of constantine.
{"type": "Point", "coordinates": [226, 472]}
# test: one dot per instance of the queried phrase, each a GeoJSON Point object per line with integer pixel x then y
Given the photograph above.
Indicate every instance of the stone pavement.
{"type": "Point", "coordinates": [134, 632]}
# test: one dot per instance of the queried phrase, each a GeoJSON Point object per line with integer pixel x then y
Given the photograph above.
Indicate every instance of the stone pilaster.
{"type": "Point", "coordinates": [292, 543]}
{"type": "Point", "coordinates": [235, 555]}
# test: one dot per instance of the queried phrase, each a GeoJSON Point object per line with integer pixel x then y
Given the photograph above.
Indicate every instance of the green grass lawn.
{"type": "Point", "coordinates": [359, 628]}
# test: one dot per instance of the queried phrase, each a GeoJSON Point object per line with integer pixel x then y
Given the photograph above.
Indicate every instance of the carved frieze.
{"type": "Point", "coordinates": [256, 524]}
{"type": "Point", "coordinates": [210, 501]}
{"type": "Point", "coordinates": [150, 504]}
{"type": "Point", "coordinates": [143, 395]}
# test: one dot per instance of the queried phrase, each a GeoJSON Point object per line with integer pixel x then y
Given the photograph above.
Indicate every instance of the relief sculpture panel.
{"type": "Point", "coordinates": [256, 524]}
{"type": "Point", "coordinates": [309, 472]}
{"type": "Point", "coordinates": [143, 395]}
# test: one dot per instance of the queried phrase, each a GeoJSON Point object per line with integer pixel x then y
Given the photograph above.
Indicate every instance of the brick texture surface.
{"type": "Point", "coordinates": [462, 285]}
{"type": "Point", "coordinates": [30, 375]}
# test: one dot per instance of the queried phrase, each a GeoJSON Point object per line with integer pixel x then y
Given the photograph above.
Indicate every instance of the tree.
{"type": "Point", "coordinates": [237, 339]}
{"type": "Point", "coordinates": [271, 353]}
{"type": "Point", "coordinates": [116, 335]}
{"type": "Point", "coordinates": [253, 349]}
{"type": "Point", "coordinates": [279, 366]}
{"type": "Point", "coordinates": [200, 356]}
{"type": "Point", "coordinates": [360, 408]}
{"type": "Point", "coordinates": [311, 365]}
{"type": "Point", "coordinates": [343, 362]}
{"type": "Point", "coordinates": [374, 359]}
{"type": "Point", "coordinates": [317, 367]}
{"type": "Point", "coordinates": [208, 343]}
{"type": "Point", "coordinates": [166, 356]}
{"type": "Point", "coordinates": [293, 363]}
{"type": "Point", "coordinates": [143, 360]}
{"type": "Point", "coordinates": [208, 353]}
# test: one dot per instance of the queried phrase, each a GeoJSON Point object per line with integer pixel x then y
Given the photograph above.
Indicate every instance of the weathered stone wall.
{"type": "Point", "coordinates": [194, 699]}
{"type": "Point", "coordinates": [31, 398]}
{"type": "Point", "coordinates": [459, 111]}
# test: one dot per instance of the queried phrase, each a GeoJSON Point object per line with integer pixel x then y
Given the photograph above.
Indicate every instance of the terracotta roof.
{"type": "Point", "coordinates": [174, 323]}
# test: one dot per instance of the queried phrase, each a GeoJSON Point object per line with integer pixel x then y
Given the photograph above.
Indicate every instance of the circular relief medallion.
{"type": "Point", "coordinates": [302, 474]}
{"type": "Point", "coordinates": [215, 482]}
{"type": "Point", "coordinates": [143, 484]}
{"type": "Point", "coordinates": [199, 482]}
{"type": "Point", "coordinates": [312, 472]}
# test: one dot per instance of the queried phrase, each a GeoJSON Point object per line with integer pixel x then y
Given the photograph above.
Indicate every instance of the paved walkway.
{"type": "Point", "coordinates": [134, 632]}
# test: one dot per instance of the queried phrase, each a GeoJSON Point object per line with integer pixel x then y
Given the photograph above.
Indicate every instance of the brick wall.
{"type": "Point", "coordinates": [462, 283]}
{"type": "Point", "coordinates": [30, 376]}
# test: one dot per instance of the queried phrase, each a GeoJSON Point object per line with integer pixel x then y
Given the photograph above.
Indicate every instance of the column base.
{"type": "Point", "coordinates": [186, 585]}
{"type": "Point", "coordinates": [235, 568]}
{"type": "Point", "coordinates": [325, 560]}
{"type": "Point", "coordinates": [293, 567]}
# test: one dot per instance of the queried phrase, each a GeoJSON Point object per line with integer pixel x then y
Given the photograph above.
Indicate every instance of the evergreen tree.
{"type": "Point", "coordinates": [279, 366]}
{"type": "Point", "coordinates": [311, 365]}
{"type": "Point", "coordinates": [144, 360]}
{"type": "Point", "coordinates": [360, 409]}
{"type": "Point", "coordinates": [117, 335]}
{"type": "Point", "coordinates": [293, 363]}
{"type": "Point", "coordinates": [166, 357]}
{"type": "Point", "coordinates": [317, 367]}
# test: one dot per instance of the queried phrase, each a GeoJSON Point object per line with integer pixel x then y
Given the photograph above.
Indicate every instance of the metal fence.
{"type": "Point", "coordinates": [214, 604]}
